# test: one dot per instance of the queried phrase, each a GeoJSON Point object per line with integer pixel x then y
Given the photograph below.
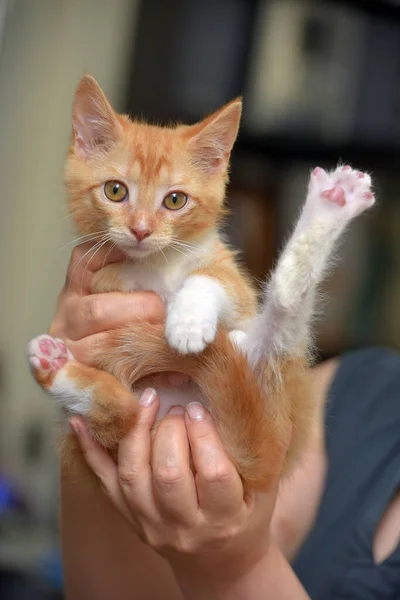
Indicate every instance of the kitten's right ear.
{"type": "Point", "coordinates": [95, 125]}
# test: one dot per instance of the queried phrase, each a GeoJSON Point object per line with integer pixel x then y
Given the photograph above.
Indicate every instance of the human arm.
{"type": "Point", "coordinates": [215, 537]}
{"type": "Point", "coordinates": [102, 558]}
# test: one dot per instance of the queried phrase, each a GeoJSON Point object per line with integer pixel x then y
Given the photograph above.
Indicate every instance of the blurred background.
{"type": "Point", "coordinates": [321, 85]}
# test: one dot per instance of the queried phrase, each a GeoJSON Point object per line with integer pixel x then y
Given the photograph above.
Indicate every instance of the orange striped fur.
{"type": "Point", "coordinates": [254, 414]}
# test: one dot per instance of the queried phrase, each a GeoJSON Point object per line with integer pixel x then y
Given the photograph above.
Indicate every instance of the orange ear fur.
{"type": "Point", "coordinates": [94, 121]}
{"type": "Point", "coordinates": [212, 139]}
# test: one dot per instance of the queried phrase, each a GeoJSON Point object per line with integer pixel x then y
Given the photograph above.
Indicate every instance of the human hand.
{"type": "Point", "coordinates": [82, 319]}
{"type": "Point", "coordinates": [201, 520]}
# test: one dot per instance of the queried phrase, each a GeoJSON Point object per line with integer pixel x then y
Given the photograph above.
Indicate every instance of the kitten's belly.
{"type": "Point", "coordinates": [174, 396]}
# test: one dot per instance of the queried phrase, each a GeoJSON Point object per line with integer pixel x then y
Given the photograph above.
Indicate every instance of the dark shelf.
{"type": "Point", "coordinates": [287, 149]}
{"type": "Point", "coordinates": [376, 8]}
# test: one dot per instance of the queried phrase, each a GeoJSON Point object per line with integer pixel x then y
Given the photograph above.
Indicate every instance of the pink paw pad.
{"type": "Point", "coordinates": [335, 195]}
{"type": "Point", "coordinates": [47, 355]}
{"type": "Point", "coordinates": [46, 346]}
{"type": "Point", "coordinates": [348, 192]}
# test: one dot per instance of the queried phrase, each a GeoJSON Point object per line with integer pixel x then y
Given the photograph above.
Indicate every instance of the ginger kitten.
{"type": "Point", "coordinates": [157, 193]}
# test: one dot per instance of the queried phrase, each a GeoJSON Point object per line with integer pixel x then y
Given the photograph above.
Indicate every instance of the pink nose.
{"type": "Point", "coordinates": [140, 233]}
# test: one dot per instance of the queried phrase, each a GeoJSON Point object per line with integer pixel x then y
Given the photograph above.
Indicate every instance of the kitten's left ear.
{"type": "Point", "coordinates": [95, 125]}
{"type": "Point", "coordinates": [212, 139]}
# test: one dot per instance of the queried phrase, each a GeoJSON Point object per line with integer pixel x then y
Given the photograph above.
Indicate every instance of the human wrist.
{"type": "Point", "coordinates": [270, 577]}
{"type": "Point", "coordinates": [217, 576]}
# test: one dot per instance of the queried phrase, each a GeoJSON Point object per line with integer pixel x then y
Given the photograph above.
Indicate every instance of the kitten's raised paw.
{"type": "Point", "coordinates": [189, 333]}
{"type": "Point", "coordinates": [47, 355]}
{"type": "Point", "coordinates": [343, 193]}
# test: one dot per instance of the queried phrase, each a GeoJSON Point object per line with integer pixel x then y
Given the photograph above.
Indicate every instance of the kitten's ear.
{"type": "Point", "coordinates": [94, 122]}
{"type": "Point", "coordinates": [211, 140]}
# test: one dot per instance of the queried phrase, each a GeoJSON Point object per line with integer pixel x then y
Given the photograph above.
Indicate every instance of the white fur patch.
{"type": "Point", "coordinates": [165, 273]}
{"type": "Point", "coordinates": [194, 312]}
{"type": "Point", "coordinates": [239, 338]}
{"type": "Point", "coordinates": [333, 200]}
{"type": "Point", "coordinates": [71, 398]}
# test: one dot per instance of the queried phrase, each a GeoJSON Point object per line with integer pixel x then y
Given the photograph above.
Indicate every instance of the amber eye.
{"type": "Point", "coordinates": [115, 191]}
{"type": "Point", "coordinates": [175, 200]}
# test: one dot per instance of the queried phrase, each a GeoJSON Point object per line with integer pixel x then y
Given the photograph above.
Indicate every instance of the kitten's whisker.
{"type": "Point", "coordinates": [100, 246]}
{"type": "Point", "coordinates": [70, 214]}
{"type": "Point", "coordinates": [180, 247]}
{"type": "Point", "coordinates": [84, 238]}
{"type": "Point", "coordinates": [82, 257]}
{"type": "Point", "coordinates": [110, 250]}
{"type": "Point", "coordinates": [165, 258]}
{"type": "Point", "coordinates": [183, 248]}
{"type": "Point", "coordinates": [180, 251]}
{"type": "Point", "coordinates": [186, 244]}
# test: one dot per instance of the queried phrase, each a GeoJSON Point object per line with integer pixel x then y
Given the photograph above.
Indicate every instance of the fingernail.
{"type": "Point", "coordinates": [195, 411]}
{"type": "Point", "coordinates": [148, 397]}
{"type": "Point", "coordinates": [176, 410]}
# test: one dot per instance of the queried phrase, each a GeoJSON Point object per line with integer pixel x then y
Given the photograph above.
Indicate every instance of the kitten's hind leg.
{"type": "Point", "coordinates": [333, 200]}
{"type": "Point", "coordinates": [109, 408]}
{"type": "Point", "coordinates": [279, 340]}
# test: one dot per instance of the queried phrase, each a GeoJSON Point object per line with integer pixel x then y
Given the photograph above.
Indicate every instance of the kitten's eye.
{"type": "Point", "coordinates": [115, 191]}
{"type": "Point", "coordinates": [175, 200]}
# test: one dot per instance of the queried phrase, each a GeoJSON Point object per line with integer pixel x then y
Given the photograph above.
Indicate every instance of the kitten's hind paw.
{"type": "Point", "coordinates": [340, 195]}
{"type": "Point", "coordinates": [47, 355]}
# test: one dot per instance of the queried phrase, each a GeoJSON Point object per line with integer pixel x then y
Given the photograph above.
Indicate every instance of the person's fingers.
{"type": "Point", "coordinates": [174, 485]}
{"type": "Point", "coordinates": [101, 464]}
{"type": "Point", "coordinates": [134, 452]}
{"type": "Point", "coordinates": [219, 486]}
{"type": "Point", "coordinates": [86, 259]}
{"type": "Point", "coordinates": [96, 313]}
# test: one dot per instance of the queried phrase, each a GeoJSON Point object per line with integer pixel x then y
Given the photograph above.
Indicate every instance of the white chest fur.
{"type": "Point", "coordinates": [166, 274]}
{"type": "Point", "coordinates": [164, 280]}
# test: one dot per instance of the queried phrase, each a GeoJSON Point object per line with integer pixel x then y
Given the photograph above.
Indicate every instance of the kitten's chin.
{"type": "Point", "coordinates": [137, 252]}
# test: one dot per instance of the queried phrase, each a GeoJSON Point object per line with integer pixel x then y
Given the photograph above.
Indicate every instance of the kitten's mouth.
{"type": "Point", "coordinates": [137, 251]}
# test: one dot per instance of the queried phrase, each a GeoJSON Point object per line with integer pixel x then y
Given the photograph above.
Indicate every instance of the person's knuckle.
{"type": "Point", "coordinates": [185, 544]}
{"type": "Point", "coordinates": [217, 473]}
{"type": "Point", "coordinates": [169, 475]}
{"type": "Point", "coordinates": [179, 543]}
{"type": "Point", "coordinates": [231, 532]}
{"type": "Point", "coordinates": [154, 535]}
{"type": "Point", "coordinates": [95, 310]}
{"type": "Point", "coordinates": [128, 475]}
{"type": "Point", "coordinates": [159, 545]}
{"type": "Point", "coordinates": [222, 537]}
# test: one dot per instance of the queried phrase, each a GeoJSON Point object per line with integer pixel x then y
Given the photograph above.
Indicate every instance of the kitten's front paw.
{"type": "Point", "coordinates": [339, 195]}
{"type": "Point", "coordinates": [47, 355]}
{"type": "Point", "coordinates": [190, 332]}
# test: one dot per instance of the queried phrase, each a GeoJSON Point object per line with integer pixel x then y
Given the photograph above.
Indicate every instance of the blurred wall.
{"type": "Point", "coordinates": [47, 46]}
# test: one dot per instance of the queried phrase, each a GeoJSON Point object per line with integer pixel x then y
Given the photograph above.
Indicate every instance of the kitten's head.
{"type": "Point", "coordinates": [146, 188]}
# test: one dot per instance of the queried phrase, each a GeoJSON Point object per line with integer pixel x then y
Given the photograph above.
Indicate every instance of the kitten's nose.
{"type": "Point", "coordinates": [140, 233]}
